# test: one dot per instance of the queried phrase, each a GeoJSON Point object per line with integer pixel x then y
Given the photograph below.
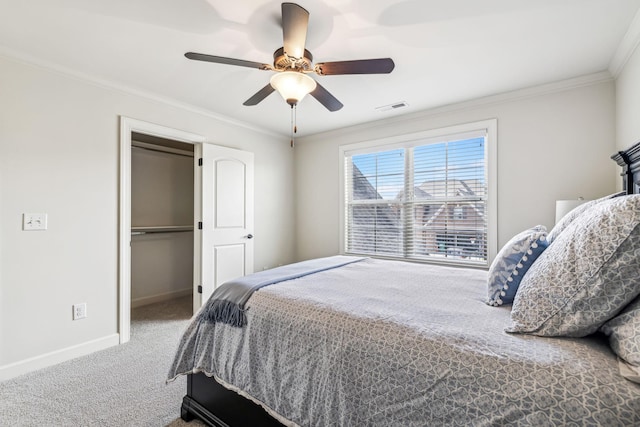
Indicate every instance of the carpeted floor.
{"type": "Point", "coordinates": [119, 386]}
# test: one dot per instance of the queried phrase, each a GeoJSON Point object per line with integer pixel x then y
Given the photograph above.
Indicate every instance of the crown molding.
{"type": "Point", "coordinates": [627, 47]}
{"type": "Point", "coordinates": [29, 60]}
{"type": "Point", "coordinates": [515, 95]}
{"type": "Point", "coordinates": [529, 92]}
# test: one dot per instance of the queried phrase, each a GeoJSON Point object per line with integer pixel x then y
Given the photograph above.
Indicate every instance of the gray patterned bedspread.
{"type": "Point", "coordinates": [387, 343]}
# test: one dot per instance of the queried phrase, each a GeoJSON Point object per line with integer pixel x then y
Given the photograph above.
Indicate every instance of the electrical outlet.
{"type": "Point", "coordinates": [34, 221]}
{"type": "Point", "coordinates": [79, 311]}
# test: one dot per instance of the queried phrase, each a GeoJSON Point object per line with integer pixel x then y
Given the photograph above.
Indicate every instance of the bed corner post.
{"type": "Point", "coordinates": [629, 160]}
{"type": "Point", "coordinates": [185, 408]}
{"type": "Point", "coordinates": [623, 160]}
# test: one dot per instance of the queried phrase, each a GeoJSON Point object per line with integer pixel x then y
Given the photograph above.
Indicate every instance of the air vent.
{"type": "Point", "coordinates": [394, 106]}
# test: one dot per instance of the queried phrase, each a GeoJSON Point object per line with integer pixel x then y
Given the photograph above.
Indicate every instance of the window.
{"type": "Point", "coordinates": [425, 198]}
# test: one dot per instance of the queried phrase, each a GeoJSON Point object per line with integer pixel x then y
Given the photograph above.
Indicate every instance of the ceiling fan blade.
{"type": "Point", "coordinates": [228, 61]}
{"type": "Point", "coordinates": [295, 20]}
{"type": "Point", "coordinates": [361, 66]}
{"type": "Point", "coordinates": [325, 98]}
{"type": "Point", "coordinates": [260, 95]}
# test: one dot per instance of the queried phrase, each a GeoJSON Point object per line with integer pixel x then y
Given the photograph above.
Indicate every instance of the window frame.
{"type": "Point", "coordinates": [489, 127]}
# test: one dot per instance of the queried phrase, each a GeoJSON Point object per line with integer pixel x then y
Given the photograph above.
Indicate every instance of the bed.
{"type": "Point", "coordinates": [350, 341]}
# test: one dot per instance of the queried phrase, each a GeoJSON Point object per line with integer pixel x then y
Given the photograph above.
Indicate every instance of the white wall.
{"type": "Point", "coordinates": [628, 103]}
{"type": "Point", "coordinates": [161, 267]}
{"type": "Point", "coordinates": [161, 188]}
{"type": "Point", "coordinates": [554, 142]}
{"type": "Point", "coordinates": [59, 142]}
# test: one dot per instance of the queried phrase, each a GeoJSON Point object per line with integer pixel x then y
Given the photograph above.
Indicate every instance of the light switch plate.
{"type": "Point", "coordinates": [34, 221]}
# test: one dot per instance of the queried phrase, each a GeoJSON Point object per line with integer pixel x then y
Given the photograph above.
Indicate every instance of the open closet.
{"type": "Point", "coordinates": [162, 200]}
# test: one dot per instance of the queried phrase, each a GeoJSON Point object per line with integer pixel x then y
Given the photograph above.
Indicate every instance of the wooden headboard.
{"type": "Point", "coordinates": [629, 160]}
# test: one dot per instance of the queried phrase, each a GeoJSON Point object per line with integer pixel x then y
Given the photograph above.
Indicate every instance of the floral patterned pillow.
{"type": "Point", "coordinates": [512, 262]}
{"type": "Point", "coordinates": [587, 274]}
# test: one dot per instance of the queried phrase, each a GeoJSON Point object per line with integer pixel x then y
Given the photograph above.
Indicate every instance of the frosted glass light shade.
{"type": "Point", "coordinates": [292, 85]}
{"type": "Point", "coordinates": [563, 207]}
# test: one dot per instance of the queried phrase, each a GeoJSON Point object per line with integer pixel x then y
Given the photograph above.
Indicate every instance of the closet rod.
{"type": "Point", "coordinates": [160, 148]}
{"type": "Point", "coordinates": [142, 233]}
{"type": "Point", "coordinates": [137, 231]}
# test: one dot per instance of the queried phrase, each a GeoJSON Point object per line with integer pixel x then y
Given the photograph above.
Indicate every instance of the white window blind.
{"type": "Point", "coordinates": [424, 200]}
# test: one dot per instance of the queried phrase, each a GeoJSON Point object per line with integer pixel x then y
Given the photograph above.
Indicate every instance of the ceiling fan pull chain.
{"type": "Point", "coordinates": [293, 125]}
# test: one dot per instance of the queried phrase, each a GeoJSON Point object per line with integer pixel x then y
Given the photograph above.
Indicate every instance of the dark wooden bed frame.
{"type": "Point", "coordinates": [217, 406]}
{"type": "Point", "coordinates": [629, 160]}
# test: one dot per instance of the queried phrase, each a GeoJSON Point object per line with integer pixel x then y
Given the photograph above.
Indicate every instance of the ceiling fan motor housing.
{"type": "Point", "coordinates": [282, 61]}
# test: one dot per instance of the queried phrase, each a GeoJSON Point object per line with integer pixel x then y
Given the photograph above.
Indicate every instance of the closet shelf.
{"type": "Point", "coordinates": [160, 229]}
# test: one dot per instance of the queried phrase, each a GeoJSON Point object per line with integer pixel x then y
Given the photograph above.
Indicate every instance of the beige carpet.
{"type": "Point", "coordinates": [119, 386]}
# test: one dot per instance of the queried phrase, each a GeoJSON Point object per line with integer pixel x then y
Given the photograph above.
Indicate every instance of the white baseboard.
{"type": "Point", "coordinates": [139, 302]}
{"type": "Point", "coordinates": [38, 362]}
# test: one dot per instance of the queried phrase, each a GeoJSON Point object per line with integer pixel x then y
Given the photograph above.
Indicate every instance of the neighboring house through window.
{"type": "Point", "coordinates": [428, 196]}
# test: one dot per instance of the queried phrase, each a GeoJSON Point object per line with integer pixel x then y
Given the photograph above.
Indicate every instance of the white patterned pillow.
{"type": "Point", "coordinates": [624, 334]}
{"type": "Point", "coordinates": [512, 262]}
{"type": "Point", "coordinates": [586, 276]}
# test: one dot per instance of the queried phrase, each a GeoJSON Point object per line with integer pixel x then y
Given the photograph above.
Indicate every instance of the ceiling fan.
{"type": "Point", "coordinates": [293, 62]}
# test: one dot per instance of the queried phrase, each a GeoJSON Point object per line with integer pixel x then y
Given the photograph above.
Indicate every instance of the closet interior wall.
{"type": "Point", "coordinates": [161, 220]}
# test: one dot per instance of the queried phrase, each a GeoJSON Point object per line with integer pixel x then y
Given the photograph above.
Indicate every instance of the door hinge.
{"type": "Point", "coordinates": [199, 225]}
{"type": "Point", "coordinates": [199, 289]}
{"type": "Point", "coordinates": [200, 161]}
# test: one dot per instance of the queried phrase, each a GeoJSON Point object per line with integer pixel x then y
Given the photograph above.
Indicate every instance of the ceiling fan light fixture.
{"type": "Point", "coordinates": [292, 85]}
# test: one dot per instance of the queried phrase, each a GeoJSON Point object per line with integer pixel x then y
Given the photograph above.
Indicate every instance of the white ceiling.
{"type": "Point", "coordinates": [445, 51]}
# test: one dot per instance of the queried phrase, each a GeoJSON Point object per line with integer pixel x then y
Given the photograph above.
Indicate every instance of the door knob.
{"type": "Point", "coordinates": [249, 236]}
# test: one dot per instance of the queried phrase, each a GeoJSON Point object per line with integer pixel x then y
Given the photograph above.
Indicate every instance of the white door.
{"type": "Point", "coordinates": [227, 216]}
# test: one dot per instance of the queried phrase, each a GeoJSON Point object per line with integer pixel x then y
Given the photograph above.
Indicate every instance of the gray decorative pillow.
{"type": "Point", "coordinates": [624, 333]}
{"type": "Point", "coordinates": [586, 276]}
{"type": "Point", "coordinates": [512, 262]}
